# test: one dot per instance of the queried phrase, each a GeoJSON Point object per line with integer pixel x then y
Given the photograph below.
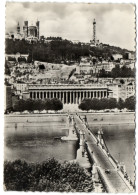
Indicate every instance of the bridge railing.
{"type": "Point", "coordinates": [111, 158]}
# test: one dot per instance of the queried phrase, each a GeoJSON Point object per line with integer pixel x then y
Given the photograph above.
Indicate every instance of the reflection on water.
{"type": "Point", "coordinates": [35, 143]}
{"type": "Point", "coordinates": [120, 140]}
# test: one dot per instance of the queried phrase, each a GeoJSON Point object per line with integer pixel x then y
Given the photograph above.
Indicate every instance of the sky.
{"type": "Point", "coordinates": [115, 23]}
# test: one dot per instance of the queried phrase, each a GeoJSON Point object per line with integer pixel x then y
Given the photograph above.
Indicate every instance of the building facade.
{"type": "Point", "coordinates": [70, 94]}
{"type": "Point", "coordinates": [29, 32]}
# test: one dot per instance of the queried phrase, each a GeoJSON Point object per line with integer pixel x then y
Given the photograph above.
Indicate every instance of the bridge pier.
{"type": "Point", "coordinates": [82, 156]}
{"type": "Point", "coordinates": [72, 136]}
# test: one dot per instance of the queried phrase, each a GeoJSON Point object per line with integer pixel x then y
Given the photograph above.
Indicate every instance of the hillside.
{"type": "Point", "coordinates": [57, 51]}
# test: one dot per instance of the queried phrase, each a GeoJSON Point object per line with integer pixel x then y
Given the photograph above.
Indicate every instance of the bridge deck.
{"type": "Point", "coordinates": [102, 161]}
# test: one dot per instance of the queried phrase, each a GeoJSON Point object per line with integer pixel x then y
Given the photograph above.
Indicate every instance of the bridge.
{"type": "Point", "coordinates": [111, 173]}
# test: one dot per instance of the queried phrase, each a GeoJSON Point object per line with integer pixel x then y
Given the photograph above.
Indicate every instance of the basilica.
{"type": "Point", "coordinates": [29, 32]}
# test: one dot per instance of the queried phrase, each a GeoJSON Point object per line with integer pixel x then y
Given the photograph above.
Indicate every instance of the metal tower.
{"type": "Point", "coordinates": [94, 31]}
{"type": "Point", "coordinates": [18, 28]}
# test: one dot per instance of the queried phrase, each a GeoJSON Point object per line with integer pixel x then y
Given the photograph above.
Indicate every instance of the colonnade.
{"type": "Point", "coordinates": [72, 97]}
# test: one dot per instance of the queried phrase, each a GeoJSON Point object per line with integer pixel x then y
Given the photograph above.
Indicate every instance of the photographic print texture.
{"type": "Point", "coordinates": [69, 97]}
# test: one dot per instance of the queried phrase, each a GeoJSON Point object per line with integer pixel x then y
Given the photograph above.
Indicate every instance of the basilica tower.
{"type": "Point", "coordinates": [37, 26]}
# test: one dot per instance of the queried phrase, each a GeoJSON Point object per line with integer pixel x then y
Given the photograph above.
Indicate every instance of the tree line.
{"type": "Point", "coordinates": [39, 104]}
{"type": "Point", "coordinates": [47, 176]}
{"type": "Point", "coordinates": [105, 103]}
{"type": "Point", "coordinates": [117, 72]}
{"type": "Point", "coordinates": [58, 49]}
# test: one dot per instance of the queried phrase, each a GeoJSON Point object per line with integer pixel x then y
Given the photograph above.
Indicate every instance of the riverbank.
{"type": "Point", "coordinates": [92, 118]}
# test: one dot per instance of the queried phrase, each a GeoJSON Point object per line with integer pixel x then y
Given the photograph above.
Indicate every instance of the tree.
{"type": "Point", "coordinates": [38, 105]}
{"type": "Point", "coordinates": [130, 103]}
{"type": "Point", "coordinates": [104, 103]}
{"type": "Point", "coordinates": [95, 104]}
{"type": "Point", "coordinates": [47, 104]}
{"type": "Point", "coordinates": [115, 72]}
{"type": "Point", "coordinates": [122, 81]}
{"type": "Point", "coordinates": [112, 103]}
{"type": "Point", "coordinates": [29, 59]}
{"type": "Point", "coordinates": [56, 104]}
{"type": "Point", "coordinates": [49, 175]}
{"type": "Point", "coordinates": [29, 105]}
{"type": "Point", "coordinates": [19, 105]}
{"type": "Point", "coordinates": [85, 105]}
{"type": "Point", "coordinates": [120, 104]}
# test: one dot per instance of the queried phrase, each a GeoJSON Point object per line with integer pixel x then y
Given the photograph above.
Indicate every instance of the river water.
{"type": "Point", "coordinates": [120, 140]}
{"type": "Point", "coordinates": [37, 141]}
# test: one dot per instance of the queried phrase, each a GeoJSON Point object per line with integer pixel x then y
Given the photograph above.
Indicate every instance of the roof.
{"type": "Point", "coordinates": [130, 84]}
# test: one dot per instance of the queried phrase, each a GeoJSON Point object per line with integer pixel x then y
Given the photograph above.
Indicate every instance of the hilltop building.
{"type": "Point", "coordinates": [29, 32]}
{"type": "Point", "coordinates": [94, 42]}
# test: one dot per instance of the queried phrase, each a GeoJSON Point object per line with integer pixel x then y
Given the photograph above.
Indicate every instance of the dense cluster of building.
{"type": "Point", "coordinates": [69, 83]}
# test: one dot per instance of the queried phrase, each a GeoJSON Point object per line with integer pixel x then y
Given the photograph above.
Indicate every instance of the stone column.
{"type": "Point", "coordinates": [73, 97]}
{"type": "Point", "coordinates": [66, 97]}
{"type": "Point", "coordinates": [63, 97]}
{"type": "Point", "coordinates": [83, 95]}
{"type": "Point", "coordinates": [76, 97]}
{"type": "Point", "coordinates": [97, 94]}
{"type": "Point", "coordinates": [93, 93]}
{"type": "Point", "coordinates": [70, 97]}
{"type": "Point", "coordinates": [52, 94]}
{"type": "Point", "coordinates": [60, 95]}
{"type": "Point", "coordinates": [86, 94]}
{"type": "Point", "coordinates": [42, 95]}
{"type": "Point", "coordinates": [100, 94]}
{"type": "Point", "coordinates": [90, 94]}
{"type": "Point", "coordinates": [49, 94]}
{"type": "Point", "coordinates": [80, 96]}
{"type": "Point", "coordinates": [106, 95]}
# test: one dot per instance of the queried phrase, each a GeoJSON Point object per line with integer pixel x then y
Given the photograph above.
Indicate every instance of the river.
{"type": "Point", "coordinates": [36, 139]}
